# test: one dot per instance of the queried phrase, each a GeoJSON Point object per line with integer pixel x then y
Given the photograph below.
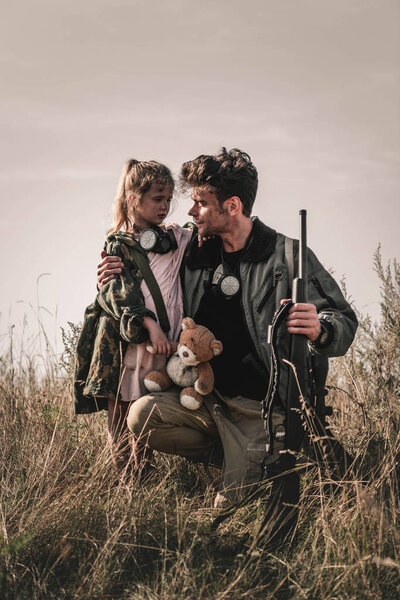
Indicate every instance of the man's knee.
{"type": "Point", "coordinates": [140, 415]}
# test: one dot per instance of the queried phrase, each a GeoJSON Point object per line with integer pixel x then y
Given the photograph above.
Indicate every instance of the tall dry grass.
{"type": "Point", "coordinates": [71, 529]}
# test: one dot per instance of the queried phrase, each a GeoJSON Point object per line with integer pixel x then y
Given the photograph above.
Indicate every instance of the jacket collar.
{"type": "Point", "coordinates": [261, 246]}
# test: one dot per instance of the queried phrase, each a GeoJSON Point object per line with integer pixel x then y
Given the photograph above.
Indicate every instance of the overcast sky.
{"type": "Point", "coordinates": [309, 88]}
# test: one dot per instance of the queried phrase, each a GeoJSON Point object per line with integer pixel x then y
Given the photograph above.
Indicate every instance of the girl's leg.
{"type": "Point", "coordinates": [142, 455]}
{"type": "Point", "coordinates": [118, 434]}
{"type": "Point", "coordinates": [126, 450]}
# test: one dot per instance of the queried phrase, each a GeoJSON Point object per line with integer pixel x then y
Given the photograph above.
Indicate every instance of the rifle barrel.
{"type": "Point", "coordinates": [303, 252]}
{"type": "Point", "coordinates": [299, 291]}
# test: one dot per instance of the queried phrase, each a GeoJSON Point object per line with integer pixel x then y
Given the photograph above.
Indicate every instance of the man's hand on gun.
{"type": "Point", "coordinates": [303, 318]}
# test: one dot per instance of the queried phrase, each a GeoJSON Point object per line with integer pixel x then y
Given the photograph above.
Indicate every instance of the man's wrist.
{"type": "Point", "coordinates": [326, 335]}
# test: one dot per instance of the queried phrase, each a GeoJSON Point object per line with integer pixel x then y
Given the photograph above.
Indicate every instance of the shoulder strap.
{"type": "Point", "coordinates": [153, 286]}
{"type": "Point", "coordinates": [289, 259]}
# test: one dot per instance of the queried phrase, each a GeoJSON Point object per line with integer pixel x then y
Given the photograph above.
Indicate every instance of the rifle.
{"type": "Point", "coordinates": [299, 418]}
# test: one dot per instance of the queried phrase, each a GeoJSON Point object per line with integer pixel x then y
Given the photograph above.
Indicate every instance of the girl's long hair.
{"type": "Point", "coordinates": [137, 178]}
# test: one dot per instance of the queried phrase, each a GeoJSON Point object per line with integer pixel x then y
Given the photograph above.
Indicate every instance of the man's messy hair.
{"type": "Point", "coordinates": [226, 174]}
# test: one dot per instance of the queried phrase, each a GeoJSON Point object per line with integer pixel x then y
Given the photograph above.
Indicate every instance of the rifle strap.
{"type": "Point", "coordinates": [148, 275]}
{"type": "Point", "coordinates": [274, 438]}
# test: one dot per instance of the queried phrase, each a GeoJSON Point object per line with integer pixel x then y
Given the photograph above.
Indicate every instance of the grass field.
{"type": "Point", "coordinates": [71, 529]}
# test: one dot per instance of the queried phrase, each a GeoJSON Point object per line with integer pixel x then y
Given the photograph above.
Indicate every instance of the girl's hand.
{"type": "Point", "coordinates": [160, 342]}
{"type": "Point", "coordinates": [158, 339]}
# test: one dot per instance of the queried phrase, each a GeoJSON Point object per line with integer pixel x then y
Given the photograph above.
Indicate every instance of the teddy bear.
{"type": "Point", "coordinates": [189, 366]}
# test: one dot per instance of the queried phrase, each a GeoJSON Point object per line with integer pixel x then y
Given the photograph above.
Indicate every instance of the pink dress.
{"type": "Point", "coordinates": [137, 360]}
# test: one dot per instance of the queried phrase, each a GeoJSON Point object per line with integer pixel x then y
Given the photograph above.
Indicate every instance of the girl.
{"type": "Point", "coordinates": [112, 359]}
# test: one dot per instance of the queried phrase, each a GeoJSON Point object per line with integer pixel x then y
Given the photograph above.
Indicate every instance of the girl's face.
{"type": "Point", "coordinates": [152, 207]}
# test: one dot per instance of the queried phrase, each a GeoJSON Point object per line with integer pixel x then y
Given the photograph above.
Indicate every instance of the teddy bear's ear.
{"type": "Point", "coordinates": [188, 323]}
{"type": "Point", "coordinates": [216, 347]}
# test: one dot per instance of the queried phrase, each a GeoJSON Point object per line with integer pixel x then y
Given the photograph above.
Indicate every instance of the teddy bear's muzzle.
{"type": "Point", "coordinates": [187, 356]}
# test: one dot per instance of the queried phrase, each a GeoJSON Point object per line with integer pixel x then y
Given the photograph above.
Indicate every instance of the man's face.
{"type": "Point", "coordinates": [209, 216]}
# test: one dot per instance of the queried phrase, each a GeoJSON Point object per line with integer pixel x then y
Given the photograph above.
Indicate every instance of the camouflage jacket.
{"type": "Point", "coordinates": [113, 320]}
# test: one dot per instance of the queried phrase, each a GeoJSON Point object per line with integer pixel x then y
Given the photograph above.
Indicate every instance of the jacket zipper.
{"type": "Point", "coordinates": [321, 292]}
{"type": "Point", "coordinates": [277, 277]}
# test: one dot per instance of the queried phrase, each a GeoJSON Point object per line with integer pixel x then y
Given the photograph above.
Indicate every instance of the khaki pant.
{"type": "Point", "coordinates": [235, 423]}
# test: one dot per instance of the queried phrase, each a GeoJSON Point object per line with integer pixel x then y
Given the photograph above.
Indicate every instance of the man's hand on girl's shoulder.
{"type": "Point", "coordinates": [108, 268]}
{"type": "Point", "coordinates": [200, 239]}
{"type": "Point", "coordinates": [204, 238]}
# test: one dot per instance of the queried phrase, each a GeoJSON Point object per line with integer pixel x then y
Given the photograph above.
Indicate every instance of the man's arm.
{"type": "Point", "coordinates": [110, 266]}
{"type": "Point", "coordinates": [337, 318]}
{"type": "Point", "coordinates": [327, 319]}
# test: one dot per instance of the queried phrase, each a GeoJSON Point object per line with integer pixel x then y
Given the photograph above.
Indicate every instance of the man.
{"type": "Point", "coordinates": [233, 283]}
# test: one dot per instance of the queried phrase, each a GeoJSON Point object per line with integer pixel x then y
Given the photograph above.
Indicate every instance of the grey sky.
{"type": "Point", "coordinates": [309, 88]}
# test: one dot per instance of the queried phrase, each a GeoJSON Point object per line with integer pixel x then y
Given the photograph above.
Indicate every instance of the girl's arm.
{"type": "Point", "coordinates": [122, 297]}
{"type": "Point", "coordinates": [158, 339]}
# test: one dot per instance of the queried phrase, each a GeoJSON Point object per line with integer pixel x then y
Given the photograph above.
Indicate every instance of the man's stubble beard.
{"type": "Point", "coordinates": [209, 230]}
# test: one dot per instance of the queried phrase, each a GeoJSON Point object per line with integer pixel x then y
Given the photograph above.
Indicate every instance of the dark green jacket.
{"type": "Point", "coordinates": [113, 320]}
{"type": "Point", "coordinates": [265, 281]}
